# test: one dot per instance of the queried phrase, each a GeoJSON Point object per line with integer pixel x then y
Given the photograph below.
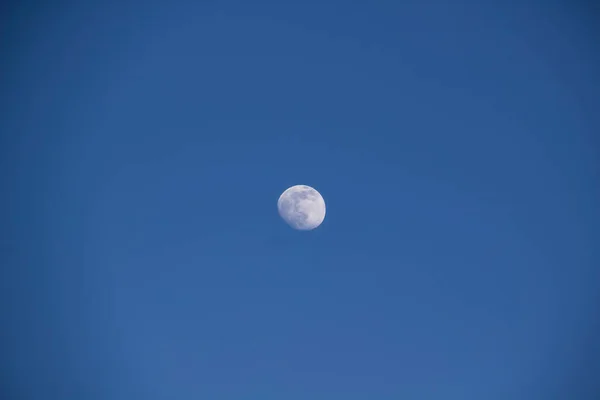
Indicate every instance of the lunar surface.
{"type": "Point", "coordinates": [302, 207]}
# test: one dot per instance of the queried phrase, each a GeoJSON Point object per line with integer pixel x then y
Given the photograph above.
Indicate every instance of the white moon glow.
{"type": "Point", "coordinates": [302, 207]}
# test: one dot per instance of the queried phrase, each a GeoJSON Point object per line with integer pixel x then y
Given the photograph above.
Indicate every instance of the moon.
{"type": "Point", "coordinates": [301, 207]}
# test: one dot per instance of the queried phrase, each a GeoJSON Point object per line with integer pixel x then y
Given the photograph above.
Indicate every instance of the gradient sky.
{"type": "Point", "coordinates": [144, 147]}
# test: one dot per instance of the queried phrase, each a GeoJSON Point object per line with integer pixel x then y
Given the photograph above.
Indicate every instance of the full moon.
{"type": "Point", "coordinates": [302, 207]}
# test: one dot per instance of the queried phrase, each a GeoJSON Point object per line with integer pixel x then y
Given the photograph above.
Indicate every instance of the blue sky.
{"type": "Point", "coordinates": [144, 149]}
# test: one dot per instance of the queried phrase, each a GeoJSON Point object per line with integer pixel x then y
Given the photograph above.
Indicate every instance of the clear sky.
{"type": "Point", "coordinates": [144, 146]}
